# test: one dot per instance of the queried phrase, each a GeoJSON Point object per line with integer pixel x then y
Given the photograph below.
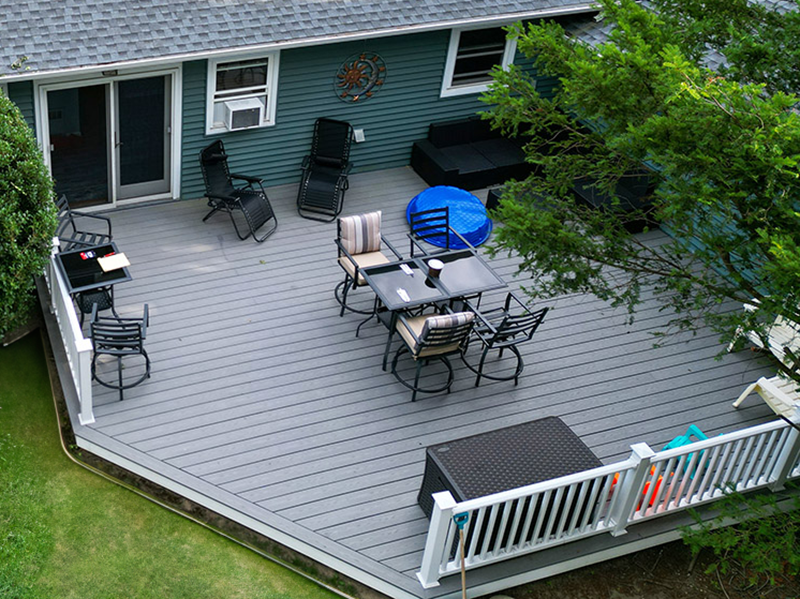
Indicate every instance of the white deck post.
{"type": "Point", "coordinates": [630, 487]}
{"type": "Point", "coordinates": [789, 455]}
{"type": "Point", "coordinates": [443, 504]}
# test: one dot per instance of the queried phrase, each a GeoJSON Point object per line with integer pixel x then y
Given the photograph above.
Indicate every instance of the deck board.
{"type": "Point", "coordinates": [259, 391]}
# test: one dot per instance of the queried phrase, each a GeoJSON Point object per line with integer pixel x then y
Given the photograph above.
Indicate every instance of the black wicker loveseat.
{"type": "Point", "coordinates": [467, 153]}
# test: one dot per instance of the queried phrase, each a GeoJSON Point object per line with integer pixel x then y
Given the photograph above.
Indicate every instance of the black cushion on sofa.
{"type": "Point", "coordinates": [469, 154]}
{"type": "Point", "coordinates": [500, 152]}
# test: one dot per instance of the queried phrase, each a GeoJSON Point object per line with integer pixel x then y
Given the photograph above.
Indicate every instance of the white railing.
{"type": "Point", "coordinates": [77, 347]}
{"type": "Point", "coordinates": [607, 499]}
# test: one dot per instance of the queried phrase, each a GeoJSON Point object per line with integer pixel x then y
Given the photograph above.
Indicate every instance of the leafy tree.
{"type": "Point", "coordinates": [27, 215]}
{"type": "Point", "coordinates": [721, 146]}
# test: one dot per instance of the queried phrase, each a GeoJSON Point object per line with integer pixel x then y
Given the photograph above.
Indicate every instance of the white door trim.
{"type": "Point", "coordinates": [176, 115]}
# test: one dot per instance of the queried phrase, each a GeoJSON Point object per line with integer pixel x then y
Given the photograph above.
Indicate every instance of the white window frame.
{"type": "Point", "coordinates": [271, 91]}
{"type": "Point", "coordinates": [448, 89]}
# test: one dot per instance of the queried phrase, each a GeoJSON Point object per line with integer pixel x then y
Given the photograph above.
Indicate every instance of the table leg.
{"type": "Point", "coordinates": [392, 326]}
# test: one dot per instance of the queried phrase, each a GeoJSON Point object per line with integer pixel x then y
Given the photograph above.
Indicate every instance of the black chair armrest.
{"type": "Point", "coordinates": [461, 237]}
{"type": "Point", "coordinates": [105, 219]}
{"type": "Point", "coordinates": [391, 247]}
{"type": "Point", "coordinates": [306, 162]}
{"type": "Point", "coordinates": [486, 330]}
{"type": "Point", "coordinates": [247, 178]}
{"type": "Point", "coordinates": [415, 243]}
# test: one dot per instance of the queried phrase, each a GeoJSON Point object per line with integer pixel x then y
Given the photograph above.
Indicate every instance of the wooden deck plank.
{"type": "Point", "coordinates": [261, 391]}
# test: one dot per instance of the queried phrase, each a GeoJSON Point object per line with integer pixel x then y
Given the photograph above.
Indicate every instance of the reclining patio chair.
{"type": "Point", "coordinates": [359, 242]}
{"type": "Point", "coordinates": [431, 337]}
{"type": "Point", "coordinates": [120, 338]}
{"type": "Point", "coordinates": [325, 170]}
{"type": "Point", "coordinates": [223, 196]}
{"type": "Point", "coordinates": [504, 328]}
{"type": "Point", "coordinates": [779, 392]}
{"type": "Point", "coordinates": [70, 237]}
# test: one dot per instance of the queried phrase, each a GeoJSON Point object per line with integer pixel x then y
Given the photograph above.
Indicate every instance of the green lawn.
{"type": "Point", "coordinates": [65, 532]}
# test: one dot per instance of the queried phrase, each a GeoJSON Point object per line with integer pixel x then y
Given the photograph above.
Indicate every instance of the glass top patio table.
{"type": "Point", "coordinates": [464, 273]}
{"type": "Point", "coordinates": [85, 274]}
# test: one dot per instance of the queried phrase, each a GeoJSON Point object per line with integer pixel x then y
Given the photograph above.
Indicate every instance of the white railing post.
{"type": "Point", "coordinates": [630, 487]}
{"type": "Point", "coordinates": [443, 504]}
{"type": "Point", "coordinates": [789, 455]}
{"type": "Point", "coordinates": [50, 277]}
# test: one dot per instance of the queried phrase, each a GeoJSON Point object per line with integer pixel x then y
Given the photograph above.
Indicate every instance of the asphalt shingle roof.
{"type": "Point", "coordinates": [61, 34]}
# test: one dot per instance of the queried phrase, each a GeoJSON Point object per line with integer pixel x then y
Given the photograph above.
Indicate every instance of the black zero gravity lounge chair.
{"type": "Point", "coordinates": [223, 196]}
{"type": "Point", "coordinates": [325, 170]}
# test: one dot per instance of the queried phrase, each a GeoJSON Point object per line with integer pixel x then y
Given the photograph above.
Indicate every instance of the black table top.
{"type": "Point", "coordinates": [464, 273]}
{"type": "Point", "coordinates": [512, 457]}
{"type": "Point", "coordinates": [85, 274]}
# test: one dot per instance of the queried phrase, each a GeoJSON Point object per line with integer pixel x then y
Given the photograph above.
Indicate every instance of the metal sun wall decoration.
{"type": "Point", "coordinates": [360, 77]}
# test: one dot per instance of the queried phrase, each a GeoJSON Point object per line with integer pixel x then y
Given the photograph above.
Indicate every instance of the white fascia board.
{"type": "Point", "coordinates": [235, 52]}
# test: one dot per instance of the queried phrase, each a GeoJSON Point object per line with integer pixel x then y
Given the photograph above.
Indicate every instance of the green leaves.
{"type": "Point", "coordinates": [27, 215]}
{"type": "Point", "coordinates": [721, 150]}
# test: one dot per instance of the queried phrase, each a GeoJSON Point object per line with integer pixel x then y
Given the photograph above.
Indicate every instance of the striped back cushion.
{"type": "Point", "coordinates": [445, 321]}
{"type": "Point", "coordinates": [361, 233]}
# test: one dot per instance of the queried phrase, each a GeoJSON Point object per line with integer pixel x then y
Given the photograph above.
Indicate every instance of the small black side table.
{"type": "Point", "coordinates": [504, 459]}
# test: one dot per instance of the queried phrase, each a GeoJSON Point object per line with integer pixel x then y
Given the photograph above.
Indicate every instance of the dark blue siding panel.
{"type": "Point", "coordinates": [392, 119]}
{"type": "Point", "coordinates": [22, 95]}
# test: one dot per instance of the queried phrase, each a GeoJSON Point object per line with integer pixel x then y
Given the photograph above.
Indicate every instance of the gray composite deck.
{"type": "Point", "coordinates": [263, 399]}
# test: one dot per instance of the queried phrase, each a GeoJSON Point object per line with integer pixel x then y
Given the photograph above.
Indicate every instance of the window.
{"type": "Point", "coordinates": [242, 93]}
{"type": "Point", "coordinates": [472, 54]}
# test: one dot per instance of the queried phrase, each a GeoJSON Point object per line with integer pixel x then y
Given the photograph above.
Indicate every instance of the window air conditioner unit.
{"type": "Point", "coordinates": [241, 114]}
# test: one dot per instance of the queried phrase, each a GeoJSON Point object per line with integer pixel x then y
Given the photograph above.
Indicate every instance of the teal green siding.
{"type": "Point", "coordinates": [393, 119]}
{"type": "Point", "coordinates": [22, 95]}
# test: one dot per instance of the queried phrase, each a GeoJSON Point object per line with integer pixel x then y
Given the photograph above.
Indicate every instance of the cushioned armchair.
{"type": "Point", "coordinates": [360, 244]}
{"type": "Point", "coordinates": [431, 337]}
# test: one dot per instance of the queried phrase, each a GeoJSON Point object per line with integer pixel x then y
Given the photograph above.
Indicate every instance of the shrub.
{"type": "Point", "coordinates": [27, 215]}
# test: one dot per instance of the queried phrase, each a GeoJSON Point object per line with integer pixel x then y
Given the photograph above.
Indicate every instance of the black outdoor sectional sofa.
{"type": "Point", "coordinates": [467, 153]}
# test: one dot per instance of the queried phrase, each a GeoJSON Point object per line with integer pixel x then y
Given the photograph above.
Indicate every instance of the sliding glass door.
{"type": "Point", "coordinates": [111, 141]}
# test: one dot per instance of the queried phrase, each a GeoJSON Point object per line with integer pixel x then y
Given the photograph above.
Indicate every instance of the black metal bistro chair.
{"type": "Point", "coordinates": [431, 337]}
{"type": "Point", "coordinates": [223, 196]}
{"type": "Point", "coordinates": [70, 235]}
{"type": "Point", "coordinates": [504, 328]}
{"type": "Point", "coordinates": [429, 225]}
{"type": "Point", "coordinates": [359, 242]}
{"type": "Point", "coordinates": [325, 171]}
{"type": "Point", "coordinates": [120, 338]}
{"type": "Point", "coordinates": [95, 299]}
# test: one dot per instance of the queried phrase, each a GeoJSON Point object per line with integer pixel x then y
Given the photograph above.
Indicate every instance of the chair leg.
{"type": "Point", "coordinates": [480, 365]}
{"type": "Point", "coordinates": [416, 381]}
{"type": "Point", "coordinates": [744, 394]}
{"type": "Point", "coordinates": [119, 375]}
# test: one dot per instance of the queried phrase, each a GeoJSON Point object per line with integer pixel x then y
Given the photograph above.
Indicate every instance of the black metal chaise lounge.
{"type": "Point", "coordinates": [325, 170]}
{"type": "Point", "coordinates": [223, 196]}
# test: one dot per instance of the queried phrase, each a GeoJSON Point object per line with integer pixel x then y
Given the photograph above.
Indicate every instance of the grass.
{"type": "Point", "coordinates": [65, 532]}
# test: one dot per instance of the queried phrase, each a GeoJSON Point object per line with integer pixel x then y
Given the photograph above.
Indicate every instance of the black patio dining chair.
{"type": "Point", "coordinates": [359, 242]}
{"type": "Point", "coordinates": [325, 171]}
{"type": "Point", "coordinates": [432, 226]}
{"type": "Point", "coordinates": [431, 337]}
{"type": "Point", "coordinates": [120, 338]}
{"type": "Point", "coordinates": [95, 299]}
{"type": "Point", "coordinates": [248, 197]}
{"type": "Point", "coordinates": [503, 328]}
{"type": "Point", "coordinates": [71, 235]}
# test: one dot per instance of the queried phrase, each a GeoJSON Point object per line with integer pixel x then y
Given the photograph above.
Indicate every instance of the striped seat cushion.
{"type": "Point", "coordinates": [446, 321]}
{"type": "Point", "coordinates": [361, 233]}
